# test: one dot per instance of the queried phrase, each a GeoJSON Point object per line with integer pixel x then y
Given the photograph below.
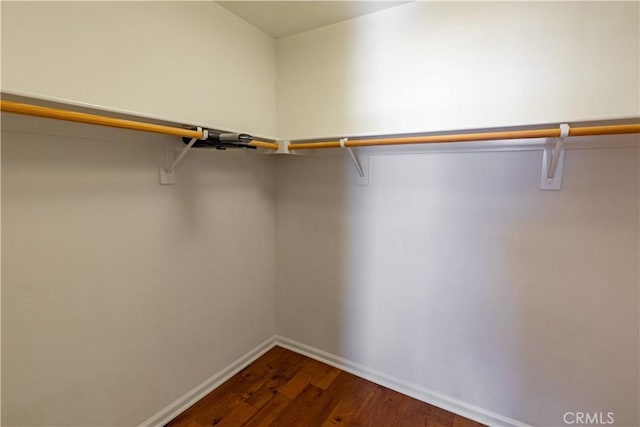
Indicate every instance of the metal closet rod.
{"type": "Point", "coordinates": [470, 137]}
{"type": "Point", "coordinates": [94, 119]}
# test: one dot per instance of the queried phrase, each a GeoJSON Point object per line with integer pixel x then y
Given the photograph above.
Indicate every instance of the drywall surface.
{"type": "Point", "coordinates": [120, 295]}
{"type": "Point", "coordinates": [454, 273]}
{"type": "Point", "coordinates": [190, 62]}
{"type": "Point", "coordinates": [428, 66]}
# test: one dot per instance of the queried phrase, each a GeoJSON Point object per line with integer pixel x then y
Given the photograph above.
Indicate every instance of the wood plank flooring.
{"type": "Point", "coordinates": [283, 388]}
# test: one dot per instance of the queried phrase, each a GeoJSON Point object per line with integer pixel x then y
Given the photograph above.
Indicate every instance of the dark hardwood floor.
{"type": "Point", "coordinates": [283, 388]}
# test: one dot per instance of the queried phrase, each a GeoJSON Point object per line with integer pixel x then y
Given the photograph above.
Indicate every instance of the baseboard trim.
{"type": "Point", "coordinates": [440, 400]}
{"type": "Point", "coordinates": [192, 396]}
{"type": "Point", "coordinates": [429, 396]}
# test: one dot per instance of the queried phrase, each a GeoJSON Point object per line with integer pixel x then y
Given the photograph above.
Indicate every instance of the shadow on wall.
{"type": "Point", "coordinates": [454, 273]}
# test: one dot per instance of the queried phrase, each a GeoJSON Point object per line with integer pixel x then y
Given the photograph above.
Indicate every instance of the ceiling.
{"type": "Point", "coordinates": [283, 18]}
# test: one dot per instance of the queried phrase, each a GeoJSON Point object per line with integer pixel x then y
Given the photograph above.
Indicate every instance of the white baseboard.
{"type": "Point", "coordinates": [181, 404]}
{"type": "Point", "coordinates": [429, 396]}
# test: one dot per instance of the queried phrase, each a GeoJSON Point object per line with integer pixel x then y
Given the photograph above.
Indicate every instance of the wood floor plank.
{"type": "Point", "coordinates": [267, 415]}
{"type": "Point", "coordinates": [286, 389]}
{"type": "Point", "coordinates": [254, 389]}
{"type": "Point", "coordinates": [346, 412]}
{"type": "Point", "coordinates": [459, 421]}
{"type": "Point", "coordinates": [329, 373]}
{"type": "Point", "coordinates": [216, 404]}
{"type": "Point", "coordinates": [280, 375]}
{"type": "Point", "coordinates": [327, 401]}
{"type": "Point", "coordinates": [311, 371]}
{"type": "Point", "coordinates": [298, 408]}
{"type": "Point", "coordinates": [440, 417]}
{"type": "Point", "coordinates": [239, 413]}
{"type": "Point", "coordinates": [416, 416]}
{"type": "Point", "coordinates": [381, 406]}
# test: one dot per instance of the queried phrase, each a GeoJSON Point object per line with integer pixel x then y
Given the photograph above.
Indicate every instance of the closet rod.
{"type": "Point", "coordinates": [471, 137]}
{"type": "Point", "coordinates": [94, 119]}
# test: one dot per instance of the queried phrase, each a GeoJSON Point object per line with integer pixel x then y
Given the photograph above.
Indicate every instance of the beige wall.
{"type": "Point", "coordinates": [119, 295]}
{"type": "Point", "coordinates": [428, 66]}
{"type": "Point", "coordinates": [450, 271]}
{"type": "Point", "coordinates": [190, 62]}
{"type": "Point", "coordinates": [453, 273]}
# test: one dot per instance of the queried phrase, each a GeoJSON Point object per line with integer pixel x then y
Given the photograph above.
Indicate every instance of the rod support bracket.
{"type": "Point", "coordinates": [553, 161]}
{"type": "Point", "coordinates": [169, 162]}
{"type": "Point", "coordinates": [362, 168]}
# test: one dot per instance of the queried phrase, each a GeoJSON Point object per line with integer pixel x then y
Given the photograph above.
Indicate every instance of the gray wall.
{"type": "Point", "coordinates": [454, 273]}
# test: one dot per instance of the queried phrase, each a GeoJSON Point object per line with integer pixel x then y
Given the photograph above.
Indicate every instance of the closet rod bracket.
{"type": "Point", "coordinates": [553, 161]}
{"type": "Point", "coordinates": [168, 173]}
{"type": "Point", "coordinates": [362, 168]}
